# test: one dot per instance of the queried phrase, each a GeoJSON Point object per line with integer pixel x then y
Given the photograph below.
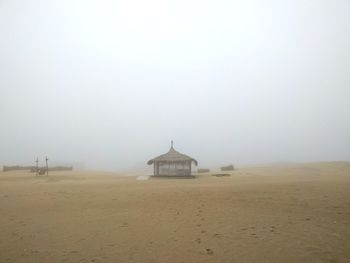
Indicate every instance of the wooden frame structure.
{"type": "Point", "coordinates": [172, 164]}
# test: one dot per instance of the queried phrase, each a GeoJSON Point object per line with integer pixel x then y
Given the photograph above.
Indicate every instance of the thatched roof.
{"type": "Point", "coordinates": [172, 156]}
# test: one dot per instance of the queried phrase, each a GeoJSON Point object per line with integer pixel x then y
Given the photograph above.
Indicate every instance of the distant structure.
{"type": "Point", "coordinates": [47, 166]}
{"type": "Point", "coordinates": [228, 168]}
{"type": "Point", "coordinates": [7, 168]}
{"type": "Point", "coordinates": [37, 169]}
{"type": "Point", "coordinates": [37, 166]}
{"type": "Point", "coordinates": [42, 171]}
{"type": "Point", "coordinates": [172, 164]}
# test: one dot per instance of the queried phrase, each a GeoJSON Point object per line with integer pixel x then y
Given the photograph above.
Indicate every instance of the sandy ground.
{"type": "Point", "coordinates": [297, 213]}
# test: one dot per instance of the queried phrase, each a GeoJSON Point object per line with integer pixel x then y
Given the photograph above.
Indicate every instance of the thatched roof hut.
{"type": "Point", "coordinates": [172, 163]}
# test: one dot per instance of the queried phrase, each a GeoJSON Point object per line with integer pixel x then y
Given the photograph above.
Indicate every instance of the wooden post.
{"type": "Point", "coordinates": [47, 167]}
{"type": "Point", "coordinates": [37, 166]}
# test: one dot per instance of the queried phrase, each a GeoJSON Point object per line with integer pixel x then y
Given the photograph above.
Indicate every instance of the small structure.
{"type": "Point", "coordinates": [172, 163]}
{"type": "Point", "coordinates": [42, 171]}
{"type": "Point", "coordinates": [203, 170]}
{"type": "Point", "coordinates": [47, 167]}
{"type": "Point", "coordinates": [228, 168]}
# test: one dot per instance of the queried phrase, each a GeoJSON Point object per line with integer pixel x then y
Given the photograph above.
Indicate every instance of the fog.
{"type": "Point", "coordinates": [108, 84]}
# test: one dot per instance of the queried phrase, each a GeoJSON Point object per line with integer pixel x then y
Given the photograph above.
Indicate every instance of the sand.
{"type": "Point", "coordinates": [295, 213]}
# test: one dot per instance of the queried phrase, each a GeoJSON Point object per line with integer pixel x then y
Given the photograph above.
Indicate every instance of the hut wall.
{"type": "Point", "coordinates": [173, 168]}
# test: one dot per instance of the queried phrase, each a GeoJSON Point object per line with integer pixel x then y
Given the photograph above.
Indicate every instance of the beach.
{"type": "Point", "coordinates": [276, 213]}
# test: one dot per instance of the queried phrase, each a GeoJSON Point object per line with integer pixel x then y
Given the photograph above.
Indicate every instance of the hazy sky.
{"type": "Point", "coordinates": [110, 83]}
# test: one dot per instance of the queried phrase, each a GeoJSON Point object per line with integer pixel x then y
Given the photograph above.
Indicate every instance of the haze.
{"type": "Point", "coordinates": [109, 83]}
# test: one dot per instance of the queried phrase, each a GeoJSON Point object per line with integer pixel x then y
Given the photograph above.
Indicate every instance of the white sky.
{"type": "Point", "coordinates": [110, 83]}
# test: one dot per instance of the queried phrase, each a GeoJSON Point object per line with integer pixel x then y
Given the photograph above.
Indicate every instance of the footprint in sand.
{"type": "Point", "coordinates": [198, 240]}
{"type": "Point", "coordinates": [209, 251]}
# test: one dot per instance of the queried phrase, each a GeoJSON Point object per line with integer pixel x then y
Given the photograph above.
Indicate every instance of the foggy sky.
{"type": "Point", "coordinates": [110, 83]}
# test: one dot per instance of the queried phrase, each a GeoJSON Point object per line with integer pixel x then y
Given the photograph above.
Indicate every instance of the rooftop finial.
{"type": "Point", "coordinates": [172, 143]}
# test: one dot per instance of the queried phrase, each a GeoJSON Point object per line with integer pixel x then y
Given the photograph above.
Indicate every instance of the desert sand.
{"type": "Point", "coordinates": [290, 213]}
